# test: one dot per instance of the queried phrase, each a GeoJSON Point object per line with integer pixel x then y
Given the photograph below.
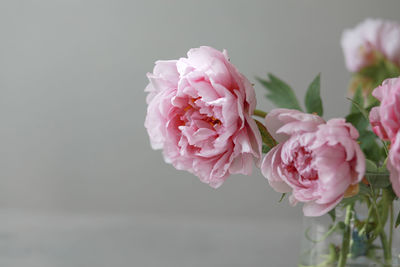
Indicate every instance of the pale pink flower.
{"type": "Point", "coordinates": [314, 160]}
{"type": "Point", "coordinates": [199, 112]}
{"type": "Point", "coordinates": [393, 164]}
{"type": "Point", "coordinates": [385, 119]}
{"type": "Point", "coordinates": [372, 35]}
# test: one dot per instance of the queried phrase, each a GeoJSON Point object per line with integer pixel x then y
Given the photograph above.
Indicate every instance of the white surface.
{"type": "Point", "coordinates": [49, 240]}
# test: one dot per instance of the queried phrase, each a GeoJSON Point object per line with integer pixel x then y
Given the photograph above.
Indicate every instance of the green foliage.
{"type": "Point", "coordinates": [370, 147]}
{"type": "Point", "coordinates": [364, 191]}
{"type": "Point", "coordinates": [265, 149]}
{"type": "Point", "coordinates": [379, 72]}
{"type": "Point", "coordinates": [283, 96]}
{"type": "Point", "coordinates": [266, 137]}
{"type": "Point", "coordinates": [312, 99]}
{"type": "Point", "coordinates": [282, 197]}
{"type": "Point", "coordinates": [358, 107]}
{"type": "Point", "coordinates": [280, 93]}
{"type": "Point", "coordinates": [377, 177]}
{"type": "Point", "coordinates": [357, 101]}
{"type": "Point", "coordinates": [359, 118]}
{"type": "Point", "coordinates": [372, 102]}
{"type": "Point", "coordinates": [378, 180]}
{"type": "Point", "coordinates": [332, 214]}
{"type": "Point", "coordinates": [370, 166]}
{"type": "Point", "coordinates": [397, 220]}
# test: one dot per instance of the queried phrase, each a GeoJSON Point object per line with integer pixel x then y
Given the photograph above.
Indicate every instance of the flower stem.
{"type": "Point", "coordinates": [391, 218]}
{"type": "Point", "coordinates": [346, 237]}
{"type": "Point", "coordinates": [387, 207]}
{"type": "Point", "coordinates": [260, 113]}
{"type": "Point", "coordinates": [387, 251]}
{"type": "Point", "coordinates": [387, 244]}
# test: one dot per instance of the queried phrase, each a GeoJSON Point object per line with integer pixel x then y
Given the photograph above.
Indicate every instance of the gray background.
{"type": "Point", "coordinates": [72, 107]}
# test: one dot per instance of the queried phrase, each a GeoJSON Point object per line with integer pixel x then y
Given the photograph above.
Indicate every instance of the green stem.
{"type": "Point", "coordinates": [387, 244]}
{"type": "Point", "coordinates": [386, 204]}
{"type": "Point", "coordinates": [365, 226]}
{"type": "Point", "coordinates": [387, 252]}
{"type": "Point", "coordinates": [379, 226]}
{"type": "Point", "coordinates": [385, 147]}
{"type": "Point", "coordinates": [260, 113]}
{"type": "Point", "coordinates": [391, 225]}
{"type": "Point", "coordinates": [346, 237]}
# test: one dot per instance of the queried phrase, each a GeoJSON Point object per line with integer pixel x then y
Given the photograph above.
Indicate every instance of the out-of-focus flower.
{"type": "Point", "coordinates": [366, 84]}
{"type": "Point", "coordinates": [385, 119]}
{"type": "Point", "coordinates": [369, 40]}
{"type": "Point", "coordinates": [199, 112]}
{"type": "Point", "coordinates": [314, 160]}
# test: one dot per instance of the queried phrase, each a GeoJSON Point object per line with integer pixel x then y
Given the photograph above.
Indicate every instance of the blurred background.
{"type": "Point", "coordinates": [79, 182]}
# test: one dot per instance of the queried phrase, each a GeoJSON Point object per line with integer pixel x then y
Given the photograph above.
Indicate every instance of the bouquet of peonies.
{"type": "Point", "coordinates": [202, 114]}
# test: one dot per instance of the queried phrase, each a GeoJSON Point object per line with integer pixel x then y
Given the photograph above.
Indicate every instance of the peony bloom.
{"type": "Point", "coordinates": [373, 35]}
{"type": "Point", "coordinates": [199, 112]}
{"type": "Point", "coordinates": [314, 160]}
{"type": "Point", "coordinates": [385, 119]}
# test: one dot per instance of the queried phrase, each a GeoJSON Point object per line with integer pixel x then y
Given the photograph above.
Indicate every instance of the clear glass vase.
{"type": "Point", "coordinates": [352, 233]}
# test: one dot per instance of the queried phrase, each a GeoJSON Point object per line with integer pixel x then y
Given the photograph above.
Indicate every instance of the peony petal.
{"type": "Point", "coordinates": [268, 168]}
{"type": "Point", "coordinates": [312, 209]}
{"type": "Point", "coordinates": [282, 118]}
{"type": "Point", "coordinates": [393, 164]}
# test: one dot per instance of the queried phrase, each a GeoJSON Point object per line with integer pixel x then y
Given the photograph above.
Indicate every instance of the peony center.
{"type": "Point", "coordinates": [301, 166]}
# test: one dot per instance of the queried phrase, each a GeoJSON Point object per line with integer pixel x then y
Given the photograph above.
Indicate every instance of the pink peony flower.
{"type": "Point", "coordinates": [385, 119]}
{"type": "Point", "coordinates": [314, 160]}
{"type": "Point", "coordinates": [199, 112]}
{"type": "Point", "coordinates": [370, 36]}
{"type": "Point", "coordinates": [393, 164]}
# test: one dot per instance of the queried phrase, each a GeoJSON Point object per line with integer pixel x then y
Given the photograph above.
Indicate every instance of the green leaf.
{"type": "Point", "coordinates": [369, 145]}
{"type": "Point", "coordinates": [372, 102]}
{"type": "Point", "coordinates": [341, 226]}
{"type": "Point", "coordinates": [397, 220]}
{"type": "Point", "coordinates": [265, 135]}
{"type": "Point", "coordinates": [381, 71]}
{"type": "Point", "coordinates": [370, 166]}
{"type": "Point", "coordinates": [383, 168]}
{"type": "Point", "coordinates": [358, 120]}
{"type": "Point", "coordinates": [332, 213]}
{"type": "Point", "coordinates": [313, 100]}
{"type": "Point", "coordinates": [359, 99]}
{"type": "Point", "coordinates": [364, 191]}
{"type": "Point", "coordinates": [265, 149]}
{"type": "Point", "coordinates": [367, 139]}
{"type": "Point", "coordinates": [280, 93]}
{"type": "Point", "coordinates": [360, 108]}
{"type": "Point", "coordinates": [378, 179]}
{"type": "Point", "coordinates": [282, 197]}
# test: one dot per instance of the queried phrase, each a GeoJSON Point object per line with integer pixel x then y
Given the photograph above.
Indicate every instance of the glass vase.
{"type": "Point", "coordinates": [362, 233]}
